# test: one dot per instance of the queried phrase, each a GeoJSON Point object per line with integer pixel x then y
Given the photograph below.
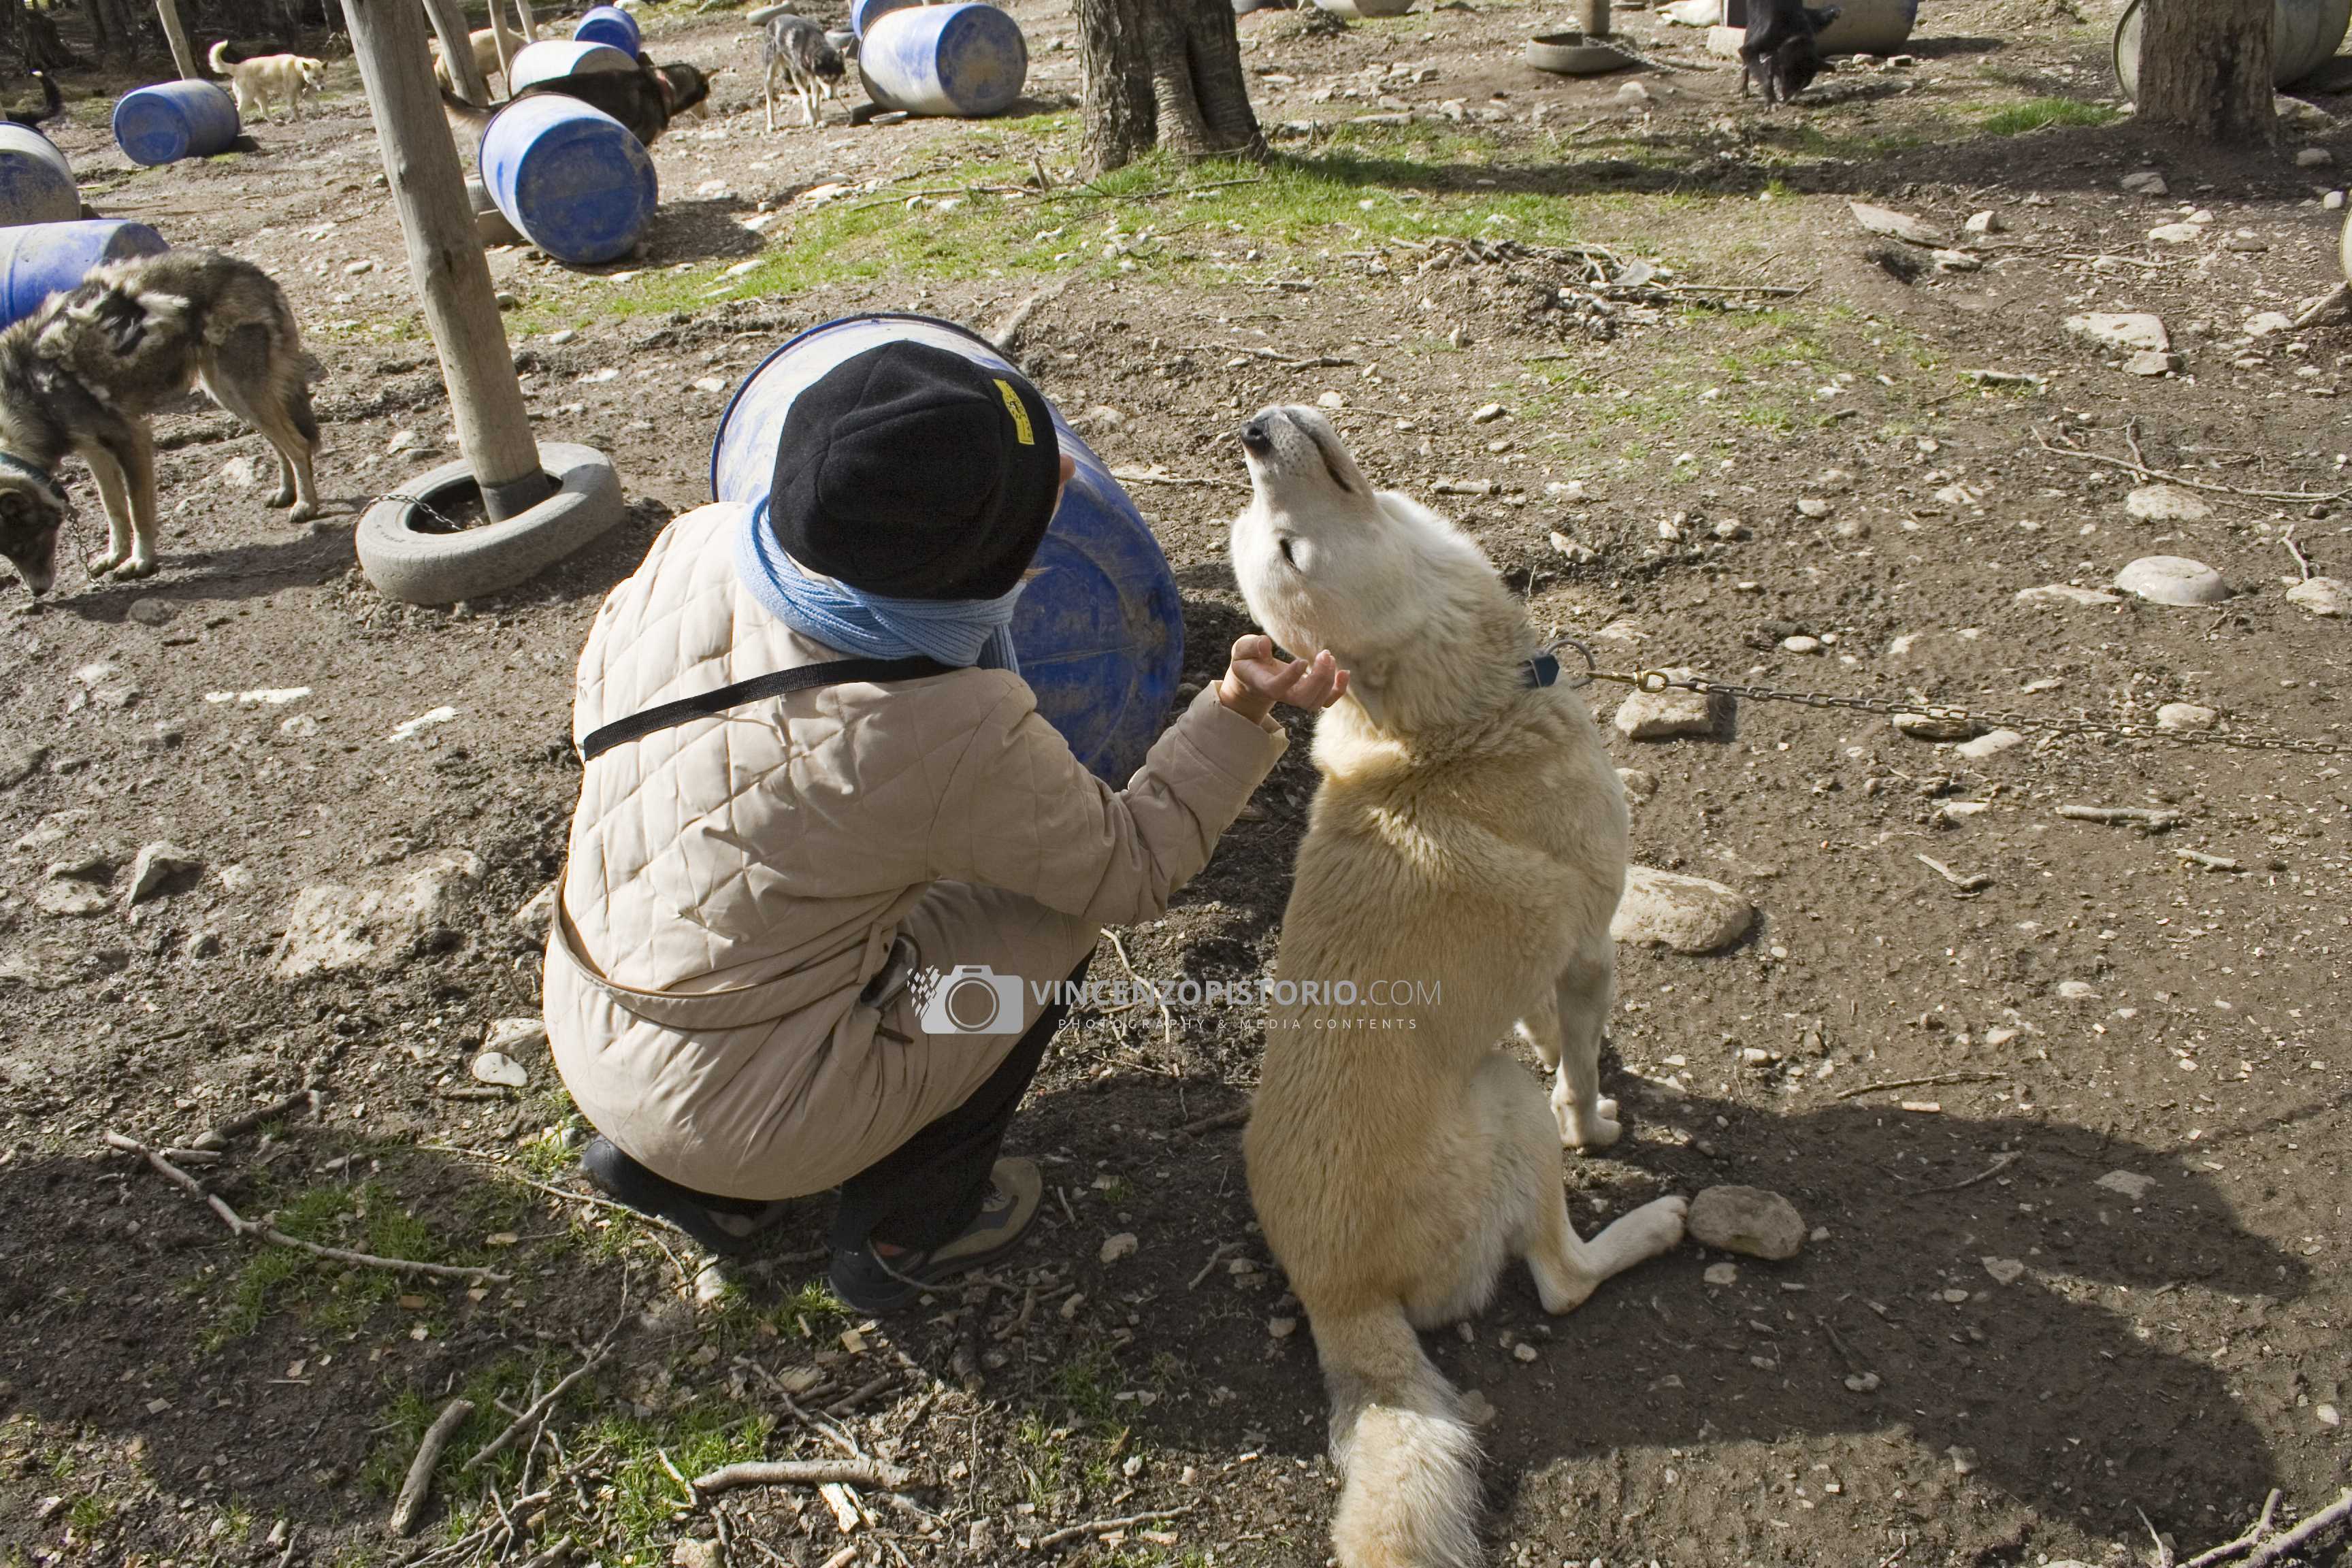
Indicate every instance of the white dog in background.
{"type": "Point", "coordinates": [1468, 840]}
{"type": "Point", "coordinates": [257, 81]}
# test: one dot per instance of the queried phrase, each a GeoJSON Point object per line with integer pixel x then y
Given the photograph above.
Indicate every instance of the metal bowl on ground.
{"type": "Point", "coordinates": [1572, 54]}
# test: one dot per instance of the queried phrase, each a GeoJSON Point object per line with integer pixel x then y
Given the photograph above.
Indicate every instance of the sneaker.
{"type": "Point", "coordinates": [724, 1225]}
{"type": "Point", "coordinates": [869, 1282]}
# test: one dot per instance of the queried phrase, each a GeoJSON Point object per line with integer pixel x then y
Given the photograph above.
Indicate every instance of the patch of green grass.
{"type": "Point", "coordinates": [339, 1299]}
{"type": "Point", "coordinates": [2036, 112]}
{"type": "Point", "coordinates": [88, 1514]}
{"type": "Point", "coordinates": [813, 1309]}
{"type": "Point", "coordinates": [1038, 1449]}
{"type": "Point", "coordinates": [411, 1411]}
{"type": "Point", "coordinates": [1088, 1380]}
{"type": "Point", "coordinates": [699, 1438]}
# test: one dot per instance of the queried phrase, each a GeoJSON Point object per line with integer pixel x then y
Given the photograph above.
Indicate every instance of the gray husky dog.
{"type": "Point", "coordinates": [795, 48]}
{"type": "Point", "coordinates": [83, 372]}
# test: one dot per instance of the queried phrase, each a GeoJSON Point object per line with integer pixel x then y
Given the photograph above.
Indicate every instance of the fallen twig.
{"type": "Point", "coordinates": [536, 1411]}
{"type": "Point", "coordinates": [1009, 330]}
{"type": "Point", "coordinates": [2326, 305]}
{"type": "Point", "coordinates": [1965, 882]}
{"type": "Point", "coordinates": [1070, 1532]}
{"type": "Point", "coordinates": [2252, 1537]}
{"type": "Point", "coordinates": [871, 1473]}
{"type": "Point", "coordinates": [2209, 862]}
{"type": "Point", "coordinates": [1221, 1249]}
{"type": "Point", "coordinates": [2146, 818]}
{"type": "Point", "coordinates": [1312, 362]}
{"type": "Point", "coordinates": [2302, 561]}
{"type": "Point", "coordinates": [1918, 1082]}
{"type": "Point", "coordinates": [2304, 1534]}
{"type": "Point", "coordinates": [247, 1119]}
{"type": "Point", "coordinates": [275, 1237]}
{"type": "Point", "coordinates": [1155, 476]}
{"type": "Point", "coordinates": [2001, 1163]}
{"type": "Point", "coordinates": [2057, 449]}
{"type": "Point", "coordinates": [1234, 1117]}
{"type": "Point", "coordinates": [1167, 1023]}
{"type": "Point", "coordinates": [414, 1491]}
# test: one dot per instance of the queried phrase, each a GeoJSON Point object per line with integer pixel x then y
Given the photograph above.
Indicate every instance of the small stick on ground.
{"type": "Point", "coordinates": [693, 1497]}
{"type": "Point", "coordinates": [1311, 362]}
{"type": "Point", "coordinates": [2209, 862]}
{"type": "Point", "coordinates": [1967, 882]}
{"type": "Point", "coordinates": [2302, 561]}
{"type": "Point", "coordinates": [247, 1121]}
{"type": "Point", "coordinates": [409, 1506]}
{"type": "Point", "coordinates": [2058, 451]}
{"type": "Point", "coordinates": [2001, 1163]}
{"type": "Point", "coordinates": [536, 1411]}
{"type": "Point", "coordinates": [2329, 1518]}
{"type": "Point", "coordinates": [2147, 819]}
{"type": "Point", "coordinates": [1167, 1023]}
{"type": "Point", "coordinates": [1068, 1533]}
{"type": "Point", "coordinates": [2252, 1537]}
{"type": "Point", "coordinates": [1008, 330]}
{"type": "Point", "coordinates": [1234, 1117]}
{"type": "Point", "coordinates": [1222, 1247]}
{"type": "Point", "coordinates": [1919, 1082]}
{"type": "Point", "coordinates": [870, 1473]}
{"type": "Point", "coordinates": [2326, 305]}
{"type": "Point", "coordinates": [275, 1237]}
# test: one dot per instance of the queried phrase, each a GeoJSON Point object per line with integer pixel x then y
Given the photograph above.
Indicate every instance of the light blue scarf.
{"type": "Point", "coordinates": [959, 632]}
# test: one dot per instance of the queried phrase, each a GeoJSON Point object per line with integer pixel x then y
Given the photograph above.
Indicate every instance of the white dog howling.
{"type": "Point", "coordinates": [265, 77]}
{"type": "Point", "coordinates": [1467, 846]}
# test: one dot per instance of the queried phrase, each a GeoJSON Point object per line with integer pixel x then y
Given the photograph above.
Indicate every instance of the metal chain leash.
{"type": "Point", "coordinates": [420, 504]}
{"type": "Point", "coordinates": [1657, 680]}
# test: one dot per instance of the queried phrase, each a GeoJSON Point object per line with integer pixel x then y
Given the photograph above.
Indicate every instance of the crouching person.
{"type": "Point", "coordinates": [815, 783]}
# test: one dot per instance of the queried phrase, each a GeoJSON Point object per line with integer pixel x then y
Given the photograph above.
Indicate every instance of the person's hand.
{"type": "Point", "coordinates": [1258, 677]}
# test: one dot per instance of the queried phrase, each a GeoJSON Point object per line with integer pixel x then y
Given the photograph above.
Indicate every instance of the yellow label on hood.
{"type": "Point", "coordinates": [1021, 429]}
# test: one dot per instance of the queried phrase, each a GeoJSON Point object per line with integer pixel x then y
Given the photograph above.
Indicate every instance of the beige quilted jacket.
{"type": "Point", "coordinates": [733, 882]}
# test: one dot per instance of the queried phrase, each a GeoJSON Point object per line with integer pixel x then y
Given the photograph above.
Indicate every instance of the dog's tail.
{"type": "Point", "coordinates": [1411, 1499]}
{"type": "Point", "coordinates": [218, 58]}
{"type": "Point", "coordinates": [463, 115]}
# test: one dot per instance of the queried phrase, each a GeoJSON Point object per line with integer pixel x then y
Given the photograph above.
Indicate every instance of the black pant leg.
{"type": "Point", "coordinates": [923, 1192]}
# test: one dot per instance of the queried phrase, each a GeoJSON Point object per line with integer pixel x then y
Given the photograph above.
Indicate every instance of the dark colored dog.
{"type": "Point", "coordinates": [645, 99]}
{"type": "Point", "coordinates": [53, 104]}
{"type": "Point", "coordinates": [1782, 49]}
{"type": "Point", "coordinates": [82, 373]}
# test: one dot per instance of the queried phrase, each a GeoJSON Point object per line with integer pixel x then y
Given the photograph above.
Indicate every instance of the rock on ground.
{"type": "Point", "coordinates": [1689, 914]}
{"type": "Point", "coordinates": [2066, 594]}
{"type": "Point", "coordinates": [331, 927]}
{"type": "Point", "coordinates": [1747, 1220]}
{"type": "Point", "coordinates": [2173, 580]}
{"type": "Point", "coordinates": [2323, 596]}
{"type": "Point", "coordinates": [2167, 503]}
{"type": "Point", "coordinates": [1990, 744]}
{"type": "Point", "coordinates": [157, 864]}
{"type": "Point", "coordinates": [1665, 715]}
{"type": "Point", "coordinates": [2186, 716]}
{"type": "Point", "coordinates": [1936, 727]}
{"type": "Point", "coordinates": [537, 917]}
{"type": "Point", "coordinates": [2133, 331]}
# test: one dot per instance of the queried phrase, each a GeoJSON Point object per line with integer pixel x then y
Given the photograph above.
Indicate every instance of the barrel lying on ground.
{"type": "Point", "coordinates": [1100, 633]}
{"type": "Point", "coordinates": [609, 24]}
{"type": "Point", "coordinates": [36, 183]}
{"type": "Point", "coordinates": [571, 179]}
{"type": "Point", "coordinates": [41, 260]}
{"type": "Point", "coordinates": [551, 57]}
{"type": "Point", "coordinates": [176, 120]}
{"type": "Point", "coordinates": [964, 61]}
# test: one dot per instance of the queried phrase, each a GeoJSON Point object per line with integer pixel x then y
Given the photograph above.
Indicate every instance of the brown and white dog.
{"type": "Point", "coordinates": [257, 81]}
{"type": "Point", "coordinates": [83, 372]}
{"type": "Point", "coordinates": [1463, 856]}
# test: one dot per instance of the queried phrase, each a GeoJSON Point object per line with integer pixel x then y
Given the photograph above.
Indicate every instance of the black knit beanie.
{"type": "Point", "coordinates": [911, 472]}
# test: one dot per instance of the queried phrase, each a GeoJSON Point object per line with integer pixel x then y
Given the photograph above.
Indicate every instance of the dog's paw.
{"type": "Point", "coordinates": [100, 565]}
{"type": "Point", "coordinates": [302, 513]}
{"type": "Point", "coordinates": [1656, 1227]}
{"type": "Point", "coordinates": [1582, 1132]}
{"type": "Point", "coordinates": [138, 565]}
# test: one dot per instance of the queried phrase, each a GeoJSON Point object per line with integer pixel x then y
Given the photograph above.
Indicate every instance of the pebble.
{"type": "Point", "coordinates": [1488, 414]}
{"type": "Point", "coordinates": [2134, 330]}
{"type": "Point", "coordinates": [151, 612]}
{"type": "Point", "coordinates": [2173, 580]}
{"type": "Point", "coordinates": [2177, 233]}
{"type": "Point", "coordinates": [331, 927]}
{"type": "Point", "coordinates": [1689, 914]}
{"type": "Point", "coordinates": [2167, 503]}
{"type": "Point", "coordinates": [692, 1553]}
{"type": "Point", "coordinates": [2146, 182]}
{"type": "Point", "coordinates": [1986, 222]}
{"type": "Point", "coordinates": [157, 864]}
{"type": "Point", "coordinates": [1526, 1351]}
{"type": "Point", "coordinates": [2314, 158]}
{"type": "Point", "coordinates": [2333, 201]}
{"type": "Point", "coordinates": [1115, 1248]}
{"type": "Point", "coordinates": [2328, 1415]}
{"type": "Point", "coordinates": [1639, 784]}
{"type": "Point", "coordinates": [2076, 991]}
{"type": "Point", "coordinates": [2066, 594]}
{"type": "Point", "coordinates": [515, 1035]}
{"type": "Point", "coordinates": [2329, 596]}
{"type": "Point", "coordinates": [237, 474]}
{"type": "Point", "coordinates": [1633, 92]}
{"type": "Point", "coordinates": [2004, 1271]}
{"type": "Point", "coordinates": [497, 1066]}
{"type": "Point", "coordinates": [2263, 323]}
{"type": "Point", "coordinates": [536, 918]}
{"type": "Point", "coordinates": [1721, 1274]}
{"type": "Point", "coordinates": [1990, 744]}
{"type": "Point", "coordinates": [1814, 508]}
{"type": "Point", "coordinates": [1956, 261]}
{"type": "Point", "coordinates": [1751, 1221]}
{"type": "Point", "coordinates": [2150, 362]}
{"type": "Point", "coordinates": [1580, 555]}
{"type": "Point", "coordinates": [1895, 224]}
{"type": "Point", "coordinates": [1664, 715]}
{"type": "Point", "coordinates": [1801, 644]}
{"type": "Point", "coordinates": [1475, 1408]}
{"type": "Point", "coordinates": [2127, 1183]}
{"type": "Point", "coordinates": [1936, 727]}
{"type": "Point", "coordinates": [1281, 1328]}
{"type": "Point", "coordinates": [69, 899]}
{"type": "Point", "coordinates": [1867, 1382]}
{"type": "Point", "coordinates": [2186, 716]}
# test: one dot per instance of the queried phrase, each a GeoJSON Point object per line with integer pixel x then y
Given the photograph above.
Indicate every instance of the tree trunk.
{"type": "Point", "coordinates": [1164, 73]}
{"type": "Point", "coordinates": [184, 58]}
{"type": "Point", "coordinates": [2205, 69]}
{"type": "Point", "coordinates": [457, 49]}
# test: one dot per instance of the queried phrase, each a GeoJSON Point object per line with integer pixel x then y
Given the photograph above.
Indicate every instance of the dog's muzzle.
{"type": "Point", "coordinates": [1256, 440]}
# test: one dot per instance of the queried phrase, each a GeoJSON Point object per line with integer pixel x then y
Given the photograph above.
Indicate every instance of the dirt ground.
{"type": "Point", "coordinates": [2064, 1104]}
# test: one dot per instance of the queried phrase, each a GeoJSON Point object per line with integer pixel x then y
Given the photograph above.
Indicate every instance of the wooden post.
{"type": "Point", "coordinates": [529, 27]}
{"type": "Point", "coordinates": [457, 49]}
{"type": "Point", "coordinates": [1593, 17]}
{"type": "Point", "coordinates": [428, 186]}
{"type": "Point", "coordinates": [505, 42]}
{"type": "Point", "coordinates": [182, 55]}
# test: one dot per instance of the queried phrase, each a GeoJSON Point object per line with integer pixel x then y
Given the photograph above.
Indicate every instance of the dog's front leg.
{"type": "Point", "coordinates": [127, 550]}
{"type": "Point", "coordinates": [1578, 1018]}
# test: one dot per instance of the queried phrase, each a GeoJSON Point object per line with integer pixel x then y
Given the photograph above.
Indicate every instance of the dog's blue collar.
{"type": "Point", "coordinates": [1541, 670]}
{"type": "Point", "coordinates": [31, 469]}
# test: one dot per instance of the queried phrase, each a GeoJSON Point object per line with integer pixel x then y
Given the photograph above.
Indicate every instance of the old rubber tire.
{"type": "Point", "coordinates": [420, 568]}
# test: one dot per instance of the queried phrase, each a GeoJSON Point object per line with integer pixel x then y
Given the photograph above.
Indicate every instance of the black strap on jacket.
{"type": "Point", "coordinates": [710, 704]}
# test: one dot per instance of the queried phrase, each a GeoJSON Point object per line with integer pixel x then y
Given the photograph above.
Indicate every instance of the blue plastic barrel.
{"type": "Point", "coordinates": [44, 258]}
{"type": "Point", "coordinates": [551, 57]}
{"type": "Point", "coordinates": [609, 24]}
{"type": "Point", "coordinates": [862, 13]}
{"type": "Point", "coordinates": [1100, 633]}
{"type": "Point", "coordinates": [176, 120]}
{"type": "Point", "coordinates": [572, 179]}
{"type": "Point", "coordinates": [963, 60]}
{"type": "Point", "coordinates": [36, 183]}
